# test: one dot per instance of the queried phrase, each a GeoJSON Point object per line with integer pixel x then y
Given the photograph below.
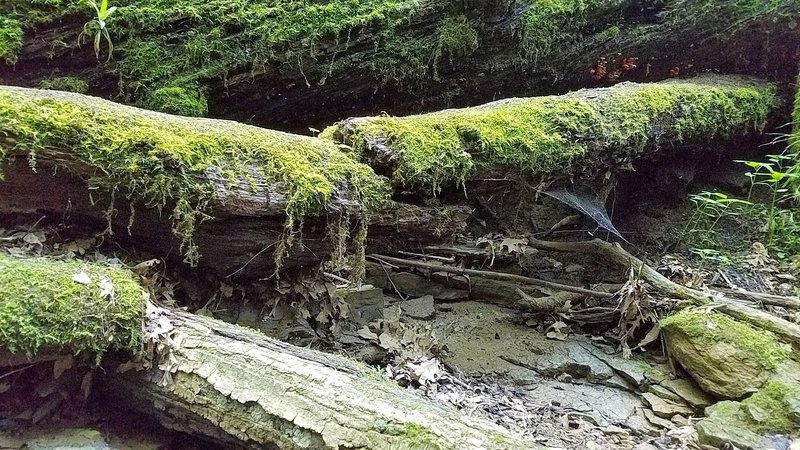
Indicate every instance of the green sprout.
{"type": "Point", "coordinates": [103, 12]}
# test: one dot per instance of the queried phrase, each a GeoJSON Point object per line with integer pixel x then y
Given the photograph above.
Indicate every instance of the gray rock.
{"type": "Point", "coordinates": [688, 390]}
{"type": "Point", "coordinates": [793, 403]}
{"type": "Point", "coordinates": [74, 439]}
{"type": "Point", "coordinates": [419, 308]}
{"type": "Point", "coordinates": [665, 393]}
{"type": "Point", "coordinates": [720, 428]}
{"type": "Point", "coordinates": [721, 365]}
{"type": "Point", "coordinates": [653, 418]}
{"type": "Point", "coordinates": [663, 408]}
{"type": "Point", "coordinates": [634, 371]}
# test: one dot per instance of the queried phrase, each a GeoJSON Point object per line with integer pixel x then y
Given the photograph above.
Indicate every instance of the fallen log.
{"type": "Point", "coordinates": [238, 387]}
{"type": "Point", "coordinates": [588, 130]}
{"type": "Point", "coordinates": [229, 384]}
{"type": "Point", "coordinates": [307, 63]}
{"type": "Point", "coordinates": [233, 191]}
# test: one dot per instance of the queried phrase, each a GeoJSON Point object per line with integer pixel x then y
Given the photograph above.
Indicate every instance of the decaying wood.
{"type": "Point", "coordinates": [242, 389]}
{"type": "Point", "coordinates": [488, 274]}
{"type": "Point", "coordinates": [240, 237]}
{"type": "Point", "coordinates": [717, 300]}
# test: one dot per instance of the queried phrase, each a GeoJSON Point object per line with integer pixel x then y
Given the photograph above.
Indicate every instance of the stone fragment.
{"type": "Point", "coordinates": [665, 393]}
{"type": "Point", "coordinates": [658, 421]}
{"type": "Point", "coordinates": [663, 408]}
{"type": "Point", "coordinates": [688, 390]}
{"type": "Point", "coordinates": [419, 308]}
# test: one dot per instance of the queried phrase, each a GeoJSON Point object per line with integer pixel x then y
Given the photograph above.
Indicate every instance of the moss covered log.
{"type": "Point", "coordinates": [68, 306]}
{"type": "Point", "coordinates": [239, 387]}
{"type": "Point", "coordinates": [157, 160]}
{"type": "Point", "coordinates": [229, 192]}
{"type": "Point", "coordinates": [557, 135]}
{"type": "Point", "coordinates": [259, 60]}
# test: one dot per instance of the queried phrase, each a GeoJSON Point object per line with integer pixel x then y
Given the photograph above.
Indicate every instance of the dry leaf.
{"type": "Point", "coordinates": [82, 277]}
{"type": "Point", "coordinates": [367, 334]}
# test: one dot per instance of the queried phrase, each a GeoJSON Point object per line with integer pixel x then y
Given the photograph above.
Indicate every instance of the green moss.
{"type": "Point", "coordinates": [163, 43]}
{"type": "Point", "coordinates": [178, 100]}
{"type": "Point", "coordinates": [155, 159]}
{"type": "Point", "coordinates": [567, 27]}
{"type": "Point", "coordinates": [794, 139]}
{"type": "Point", "coordinates": [551, 24]}
{"type": "Point", "coordinates": [766, 411]}
{"type": "Point", "coordinates": [456, 37]}
{"type": "Point", "coordinates": [10, 39]}
{"type": "Point", "coordinates": [416, 436]}
{"type": "Point", "coordinates": [554, 135]}
{"type": "Point", "coordinates": [68, 84]}
{"type": "Point", "coordinates": [43, 308]}
{"type": "Point", "coordinates": [715, 327]}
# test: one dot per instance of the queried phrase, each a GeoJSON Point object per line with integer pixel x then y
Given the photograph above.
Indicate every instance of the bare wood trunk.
{"type": "Point", "coordinates": [242, 389]}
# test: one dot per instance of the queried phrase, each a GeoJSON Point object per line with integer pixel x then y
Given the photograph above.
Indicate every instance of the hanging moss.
{"type": "Point", "coordinates": [69, 84]}
{"type": "Point", "coordinates": [555, 135]}
{"type": "Point", "coordinates": [44, 308]}
{"type": "Point", "coordinates": [155, 159]}
{"type": "Point", "coordinates": [10, 39]}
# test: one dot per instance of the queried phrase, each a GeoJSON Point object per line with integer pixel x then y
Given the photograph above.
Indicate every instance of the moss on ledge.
{"type": "Point", "coordinates": [43, 307]}
{"type": "Point", "coordinates": [10, 39]}
{"type": "Point", "coordinates": [69, 84]}
{"type": "Point", "coordinates": [556, 134]}
{"type": "Point", "coordinates": [714, 327]}
{"type": "Point", "coordinates": [155, 159]}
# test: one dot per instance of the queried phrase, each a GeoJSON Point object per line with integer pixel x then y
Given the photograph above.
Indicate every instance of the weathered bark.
{"type": "Point", "coordinates": [239, 238]}
{"type": "Point", "coordinates": [242, 389]}
{"type": "Point", "coordinates": [667, 38]}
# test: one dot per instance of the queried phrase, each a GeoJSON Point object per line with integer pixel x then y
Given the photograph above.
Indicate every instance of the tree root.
{"type": "Point", "coordinates": [718, 300]}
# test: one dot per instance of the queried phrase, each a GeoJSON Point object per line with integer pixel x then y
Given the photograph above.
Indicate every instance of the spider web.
{"type": "Point", "coordinates": [584, 200]}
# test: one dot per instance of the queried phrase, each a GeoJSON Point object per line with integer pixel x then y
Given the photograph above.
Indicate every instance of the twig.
{"type": "Point", "coordinates": [727, 305]}
{"type": "Point", "coordinates": [336, 278]}
{"type": "Point", "coordinates": [424, 256]}
{"type": "Point", "coordinates": [493, 275]}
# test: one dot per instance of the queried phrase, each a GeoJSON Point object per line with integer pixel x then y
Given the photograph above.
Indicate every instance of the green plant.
{"type": "Point", "coordinates": [103, 12]}
{"type": "Point", "coordinates": [780, 176]}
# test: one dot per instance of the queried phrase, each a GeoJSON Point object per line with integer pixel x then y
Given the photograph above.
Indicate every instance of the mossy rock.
{"type": "Point", "coordinates": [68, 306]}
{"type": "Point", "coordinates": [774, 409]}
{"type": "Point", "coordinates": [160, 160]}
{"type": "Point", "coordinates": [727, 358]}
{"type": "Point", "coordinates": [556, 135]}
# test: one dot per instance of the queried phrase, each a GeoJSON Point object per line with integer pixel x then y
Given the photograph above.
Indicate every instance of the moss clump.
{"type": "Point", "coordinates": [416, 436]}
{"type": "Point", "coordinates": [766, 411]}
{"type": "Point", "coordinates": [550, 24]}
{"type": "Point", "coordinates": [44, 308]}
{"type": "Point", "coordinates": [456, 37]}
{"type": "Point", "coordinates": [68, 84]}
{"type": "Point", "coordinates": [178, 100]}
{"type": "Point", "coordinates": [715, 327]}
{"type": "Point", "coordinates": [155, 159]}
{"type": "Point", "coordinates": [553, 135]}
{"type": "Point", "coordinates": [10, 39]}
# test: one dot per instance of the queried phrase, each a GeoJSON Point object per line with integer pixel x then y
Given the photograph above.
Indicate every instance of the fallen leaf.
{"type": "Point", "coordinates": [106, 287]}
{"type": "Point", "coordinates": [367, 334]}
{"type": "Point", "coordinates": [82, 277]}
